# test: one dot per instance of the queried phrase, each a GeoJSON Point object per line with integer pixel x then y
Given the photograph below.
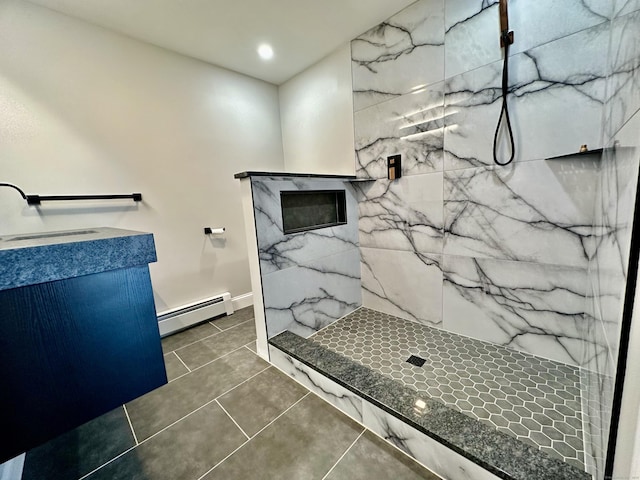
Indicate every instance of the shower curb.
{"type": "Point", "coordinates": [388, 407]}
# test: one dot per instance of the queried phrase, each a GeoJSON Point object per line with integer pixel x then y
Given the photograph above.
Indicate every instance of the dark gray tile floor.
{"type": "Point", "coordinates": [225, 414]}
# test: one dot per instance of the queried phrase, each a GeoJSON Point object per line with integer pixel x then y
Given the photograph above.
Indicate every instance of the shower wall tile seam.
{"type": "Point", "coordinates": [613, 135]}
{"type": "Point", "coordinates": [461, 169]}
{"type": "Point", "coordinates": [417, 252]}
{"type": "Point", "coordinates": [601, 323]}
{"type": "Point", "coordinates": [441, 328]}
{"type": "Point", "coordinates": [492, 259]}
{"type": "Point", "coordinates": [617, 14]}
{"type": "Point", "coordinates": [311, 260]}
{"type": "Point", "coordinates": [593, 287]}
{"type": "Point", "coordinates": [588, 460]}
{"type": "Point", "coordinates": [442, 316]}
{"type": "Point", "coordinates": [426, 86]}
{"type": "Point", "coordinates": [395, 96]}
{"type": "Point", "coordinates": [532, 47]}
{"type": "Point", "coordinates": [511, 55]}
{"type": "Point", "coordinates": [446, 78]}
{"type": "Point", "coordinates": [611, 362]}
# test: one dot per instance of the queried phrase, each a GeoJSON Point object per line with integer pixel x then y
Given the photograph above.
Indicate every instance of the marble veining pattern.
{"type": "Point", "coordinates": [414, 295]}
{"type": "Point", "coordinates": [309, 296]}
{"type": "Point", "coordinates": [443, 461]}
{"type": "Point", "coordinates": [569, 86]}
{"type": "Point", "coordinates": [387, 60]}
{"type": "Point", "coordinates": [401, 215]}
{"type": "Point", "coordinates": [412, 124]}
{"type": "Point", "coordinates": [531, 398]}
{"type": "Point", "coordinates": [278, 251]}
{"type": "Point", "coordinates": [603, 311]}
{"type": "Point", "coordinates": [608, 266]}
{"type": "Point", "coordinates": [614, 206]}
{"type": "Point", "coordinates": [623, 84]}
{"type": "Point", "coordinates": [623, 7]}
{"type": "Point", "coordinates": [518, 242]}
{"type": "Point", "coordinates": [539, 211]}
{"type": "Point", "coordinates": [533, 308]}
{"type": "Point", "coordinates": [472, 27]}
{"type": "Point", "coordinates": [335, 394]}
{"type": "Point", "coordinates": [310, 278]}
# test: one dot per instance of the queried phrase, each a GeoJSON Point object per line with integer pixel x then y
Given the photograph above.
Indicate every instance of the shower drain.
{"type": "Point", "coordinates": [417, 361]}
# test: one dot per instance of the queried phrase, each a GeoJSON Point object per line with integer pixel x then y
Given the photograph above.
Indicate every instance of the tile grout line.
{"type": "Point", "coordinates": [236, 325]}
{"type": "Point", "coordinates": [135, 437]}
{"type": "Point", "coordinates": [182, 362]}
{"type": "Point", "coordinates": [584, 407]}
{"type": "Point", "coordinates": [257, 433]}
{"type": "Point", "coordinates": [204, 405]}
{"type": "Point", "coordinates": [172, 424]}
{"type": "Point", "coordinates": [215, 360]}
{"type": "Point", "coordinates": [345, 452]}
{"type": "Point", "coordinates": [107, 463]}
{"type": "Point", "coordinates": [232, 419]}
{"type": "Point", "coordinates": [209, 336]}
{"type": "Point", "coordinates": [293, 405]}
{"type": "Point", "coordinates": [211, 323]}
{"type": "Point", "coordinates": [196, 341]}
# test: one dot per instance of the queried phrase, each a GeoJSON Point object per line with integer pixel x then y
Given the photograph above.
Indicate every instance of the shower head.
{"type": "Point", "coordinates": [506, 37]}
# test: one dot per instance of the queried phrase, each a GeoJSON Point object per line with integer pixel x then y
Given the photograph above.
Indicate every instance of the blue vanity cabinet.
{"type": "Point", "coordinates": [78, 331]}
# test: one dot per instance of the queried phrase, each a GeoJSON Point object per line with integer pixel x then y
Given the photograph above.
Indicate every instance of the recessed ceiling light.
{"type": "Point", "coordinates": [265, 51]}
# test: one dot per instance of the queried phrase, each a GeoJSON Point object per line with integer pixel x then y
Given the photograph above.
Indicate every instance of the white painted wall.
{"type": "Point", "coordinates": [84, 110]}
{"type": "Point", "coordinates": [316, 110]}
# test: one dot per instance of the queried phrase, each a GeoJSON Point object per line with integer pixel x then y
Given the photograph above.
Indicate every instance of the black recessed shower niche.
{"type": "Point", "coordinates": [304, 210]}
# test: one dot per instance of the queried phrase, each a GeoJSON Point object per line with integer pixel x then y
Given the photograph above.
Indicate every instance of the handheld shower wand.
{"type": "Point", "coordinates": [506, 39]}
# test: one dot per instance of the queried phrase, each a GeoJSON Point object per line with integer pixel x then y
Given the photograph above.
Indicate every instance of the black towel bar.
{"type": "Point", "coordinates": [36, 199]}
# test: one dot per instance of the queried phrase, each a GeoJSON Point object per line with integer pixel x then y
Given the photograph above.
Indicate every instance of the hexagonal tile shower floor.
{"type": "Point", "coordinates": [531, 398]}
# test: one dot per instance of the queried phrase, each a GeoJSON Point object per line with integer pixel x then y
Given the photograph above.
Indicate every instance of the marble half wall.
{"type": "Point", "coordinates": [310, 278]}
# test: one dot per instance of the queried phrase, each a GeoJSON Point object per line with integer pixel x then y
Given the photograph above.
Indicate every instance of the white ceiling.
{"type": "Point", "coordinates": [228, 32]}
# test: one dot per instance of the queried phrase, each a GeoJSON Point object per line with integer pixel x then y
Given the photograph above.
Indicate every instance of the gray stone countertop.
{"type": "Point", "coordinates": [319, 176]}
{"type": "Point", "coordinates": [502, 455]}
{"type": "Point", "coordinates": [33, 258]}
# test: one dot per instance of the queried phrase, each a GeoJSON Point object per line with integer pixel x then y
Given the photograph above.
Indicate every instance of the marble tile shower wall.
{"type": "Point", "coordinates": [502, 253]}
{"type": "Point", "coordinates": [312, 278]}
{"type": "Point", "coordinates": [615, 198]}
{"type": "Point", "coordinates": [496, 253]}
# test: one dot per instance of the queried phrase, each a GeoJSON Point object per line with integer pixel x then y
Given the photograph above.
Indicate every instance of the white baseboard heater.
{"type": "Point", "coordinates": [183, 317]}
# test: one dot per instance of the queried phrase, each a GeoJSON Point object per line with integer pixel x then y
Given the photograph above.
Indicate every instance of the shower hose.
{"type": "Point", "coordinates": [504, 112]}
